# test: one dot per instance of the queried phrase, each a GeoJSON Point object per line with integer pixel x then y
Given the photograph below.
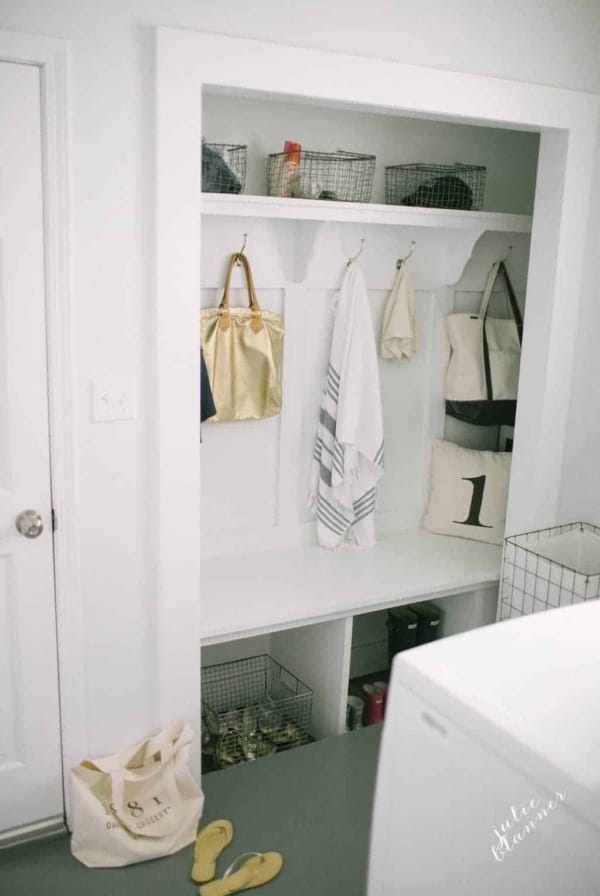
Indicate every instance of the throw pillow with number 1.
{"type": "Point", "coordinates": [468, 492]}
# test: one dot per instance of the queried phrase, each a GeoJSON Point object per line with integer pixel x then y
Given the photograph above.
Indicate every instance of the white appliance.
{"type": "Point", "coordinates": [489, 772]}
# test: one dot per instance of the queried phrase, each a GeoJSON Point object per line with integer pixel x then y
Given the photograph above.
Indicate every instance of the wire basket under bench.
{"type": "Point", "coordinates": [252, 708]}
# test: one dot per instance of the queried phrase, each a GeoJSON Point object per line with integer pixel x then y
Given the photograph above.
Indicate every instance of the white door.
{"type": "Point", "coordinates": [30, 758]}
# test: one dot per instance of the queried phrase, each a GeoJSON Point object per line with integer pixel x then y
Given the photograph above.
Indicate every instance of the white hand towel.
{"type": "Point", "coordinates": [348, 451]}
{"type": "Point", "coordinates": [398, 334]}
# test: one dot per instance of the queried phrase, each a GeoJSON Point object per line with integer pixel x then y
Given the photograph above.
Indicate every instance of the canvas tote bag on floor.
{"type": "Point", "coordinates": [243, 351]}
{"type": "Point", "coordinates": [483, 372]}
{"type": "Point", "coordinates": [138, 804]}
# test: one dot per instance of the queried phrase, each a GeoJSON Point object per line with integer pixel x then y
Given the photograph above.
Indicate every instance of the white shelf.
{"type": "Point", "coordinates": [273, 590]}
{"type": "Point", "coordinates": [245, 206]}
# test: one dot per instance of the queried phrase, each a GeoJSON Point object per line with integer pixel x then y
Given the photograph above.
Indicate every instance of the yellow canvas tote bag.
{"type": "Point", "coordinates": [139, 804]}
{"type": "Point", "coordinates": [242, 350]}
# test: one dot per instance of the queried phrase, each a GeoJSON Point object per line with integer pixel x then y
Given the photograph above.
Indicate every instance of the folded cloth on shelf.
{"type": "Point", "coordinates": [398, 335]}
{"type": "Point", "coordinates": [348, 450]}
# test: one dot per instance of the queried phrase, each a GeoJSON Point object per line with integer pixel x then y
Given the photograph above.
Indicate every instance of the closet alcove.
{"type": "Point", "coordinates": [322, 614]}
{"type": "Point", "coordinates": [242, 576]}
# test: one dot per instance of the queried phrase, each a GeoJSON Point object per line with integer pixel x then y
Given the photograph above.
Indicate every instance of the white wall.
{"type": "Point", "coordinates": [543, 41]}
{"type": "Point", "coordinates": [580, 497]}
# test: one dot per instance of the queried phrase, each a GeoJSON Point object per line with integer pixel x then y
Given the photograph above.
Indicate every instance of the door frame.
{"type": "Point", "coordinates": [51, 56]}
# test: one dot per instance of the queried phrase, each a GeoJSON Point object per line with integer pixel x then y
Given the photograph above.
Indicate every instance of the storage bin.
{"type": "Point", "coordinates": [223, 167]}
{"type": "Point", "coordinates": [435, 186]}
{"type": "Point", "coordinates": [429, 618]}
{"type": "Point", "coordinates": [550, 568]}
{"type": "Point", "coordinates": [251, 708]}
{"type": "Point", "coordinates": [402, 631]}
{"type": "Point", "coordinates": [304, 174]}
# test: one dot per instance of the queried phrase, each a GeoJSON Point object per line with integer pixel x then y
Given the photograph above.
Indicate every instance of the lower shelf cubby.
{"type": "Point", "coordinates": [370, 652]}
{"type": "Point", "coordinates": [335, 658]}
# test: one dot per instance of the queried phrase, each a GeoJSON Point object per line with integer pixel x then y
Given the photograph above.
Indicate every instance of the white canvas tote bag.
{"type": "Point", "coordinates": [138, 804]}
{"type": "Point", "coordinates": [483, 373]}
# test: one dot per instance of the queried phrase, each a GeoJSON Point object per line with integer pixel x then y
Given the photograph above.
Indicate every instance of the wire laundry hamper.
{"type": "Point", "coordinates": [252, 708]}
{"type": "Point", "coordinates": [436, 186]}
{"type": "Point", "coordinates": [343, 176]}
{"type": "Point", "coordinates": [550, 568]}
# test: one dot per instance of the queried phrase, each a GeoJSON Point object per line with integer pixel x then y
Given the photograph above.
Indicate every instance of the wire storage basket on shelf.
{"type": "Point", "coordinates": [251, 708]}
{"type": "Point", "coordinates": [550, 568]}
{"type": "Point", "coordinates": [436, 186]}
{"type": "Point", "coordinates": [304, 174]}
{"type": "Point", "coordinates": [223, 167]}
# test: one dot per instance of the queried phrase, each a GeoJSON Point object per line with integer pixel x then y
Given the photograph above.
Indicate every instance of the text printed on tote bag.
{"type": "Point", "coordinates": [136, 812]}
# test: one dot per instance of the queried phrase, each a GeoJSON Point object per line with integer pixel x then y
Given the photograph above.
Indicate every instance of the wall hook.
{"type": "Point", "coordinates": [241, 252]}
{"type": "Point", "coordinates": [358, 254]}
{"type": "Point", "coordinates": [507, 255]}
{"type": "Point", "coordinates": [402, 261]}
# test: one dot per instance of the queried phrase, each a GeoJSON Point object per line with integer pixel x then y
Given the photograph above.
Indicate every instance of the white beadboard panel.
{"type": "Point", "coordinates": [256, 475]}
{"type": "Point", "coordinates": [240, 459]}
{"type": "Point", "coordinates": [405, 388]}
{"type": "Point", "coordinates": [319, 320]}
{"type": "Point", "coordinates": [239, 475]}
{"type": "Point", "coordinates": [439, 258]}
{"type": "Point", "coordinates": [269, 246]}
{"type": "Point", "coordinates": [490, 247]}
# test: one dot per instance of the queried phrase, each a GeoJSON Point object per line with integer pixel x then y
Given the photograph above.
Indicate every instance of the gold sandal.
{"type": "Point", "coordinates": [210, 843]}
{"type": "Point", "coordinates": [257, 870]}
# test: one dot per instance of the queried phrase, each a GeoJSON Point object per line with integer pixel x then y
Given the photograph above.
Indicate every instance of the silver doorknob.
{"type": "Point", "coordinates": [29, 523]}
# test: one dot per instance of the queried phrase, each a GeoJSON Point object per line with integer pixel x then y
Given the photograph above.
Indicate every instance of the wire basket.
{"type": "Point", "coordinates": [436, 186]}
{"type": "Point", "coordinates": [342, 176]}
{"type": "Point", "coordinates": [550, 568]}
{"type": "Point", "coordinates": [223, 167]}
{"type": "Point", "coordinates": [252, 708]}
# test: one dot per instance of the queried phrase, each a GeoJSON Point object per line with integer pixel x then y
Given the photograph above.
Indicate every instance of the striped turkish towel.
{"type": "Point", "coordinates": [348, 449]}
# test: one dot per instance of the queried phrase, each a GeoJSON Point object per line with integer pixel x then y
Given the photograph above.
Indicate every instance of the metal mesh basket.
{"type": "Point", "coordinates": [550, 568]}
{"type": "Point", "coordinates": [436, 186]}
{"type": "Point", "coordinates": [342, 176]}
{"type": "Point", "coordinates": [251, 708]}
{"type": "Point", "coordinates": [223, 167]}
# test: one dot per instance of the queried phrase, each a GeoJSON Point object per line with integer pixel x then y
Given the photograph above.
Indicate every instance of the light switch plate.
{"type": "Point", "coordinates": [113, 398]}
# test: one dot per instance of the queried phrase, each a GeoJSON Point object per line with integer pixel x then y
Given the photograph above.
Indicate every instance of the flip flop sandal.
{"type": "Point", "coordinates": [210, 843]}
{"type": "Point", "coordinates": [257, 870]}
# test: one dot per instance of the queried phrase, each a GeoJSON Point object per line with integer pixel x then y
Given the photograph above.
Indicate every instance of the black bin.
{"type": "Point", "coordinates": [429, 620]}
{"type": "Point", "coordinates": [402, 630]}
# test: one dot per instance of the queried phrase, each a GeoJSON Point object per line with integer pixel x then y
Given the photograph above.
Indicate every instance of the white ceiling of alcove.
{"type": "Point", "coordinates": [338, 105]}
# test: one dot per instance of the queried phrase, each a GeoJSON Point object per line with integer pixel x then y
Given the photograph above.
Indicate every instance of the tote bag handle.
{"type": "Point", "coordinates": [253, 305]}
{"type": "Point", "coordinates": [156, 763]}
{"type": "Point", "coordinates": [497, 268]}
{"type": "Point", "coordinates": [500, 268]}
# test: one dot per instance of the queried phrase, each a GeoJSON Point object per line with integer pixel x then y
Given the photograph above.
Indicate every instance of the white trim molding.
{"type": "Point", "coordinates": [188, 62]}
{"type": "Point", "coordinates": [49, 827]}
{"type": "Point", "coordinates": [51, 56]}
